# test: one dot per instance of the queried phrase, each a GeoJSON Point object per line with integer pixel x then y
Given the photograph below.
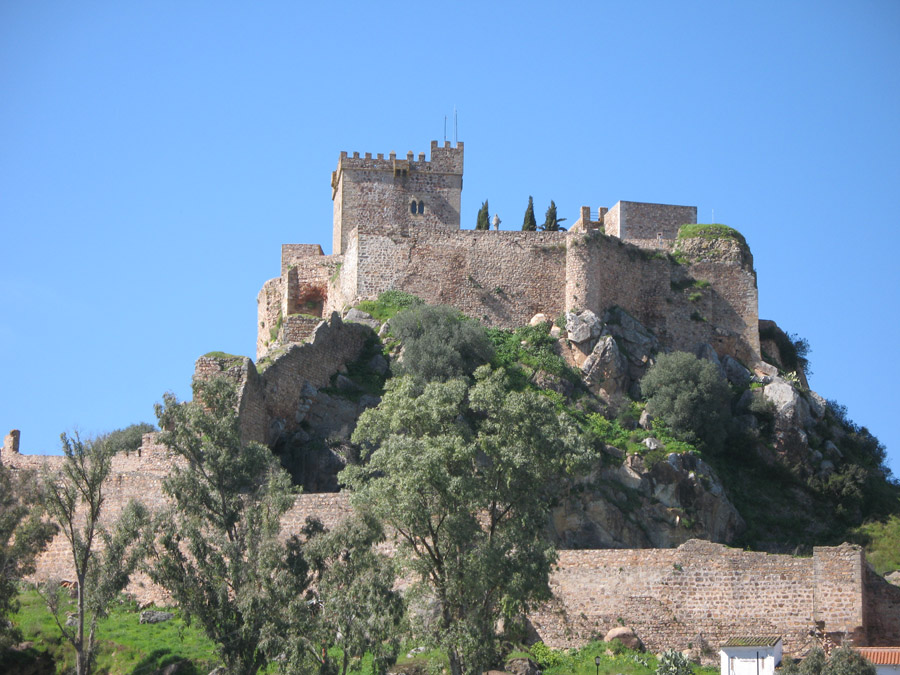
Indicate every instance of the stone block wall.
{"type": "Point", "coordinates": [882, 610]}
{"type": "Point", "coordinates": [642, 223]}
{"type": "Point", "coordinates": [376, 194]}
{"type": "Point", "coordinates": [698, 594]}
{"type": "Point", "coordinates": [501, 277]}
{"type": "Point", "coordinates": [701, 593]}
{"type": "Point", "coordinates": [603, 271]}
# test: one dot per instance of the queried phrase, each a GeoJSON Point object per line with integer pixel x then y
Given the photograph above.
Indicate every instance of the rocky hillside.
{"type": "Point", "coordinates": [781, 469]}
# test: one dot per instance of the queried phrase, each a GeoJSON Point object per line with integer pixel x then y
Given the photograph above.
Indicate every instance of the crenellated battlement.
{"type": "Point", "coordinates": [446, 159]}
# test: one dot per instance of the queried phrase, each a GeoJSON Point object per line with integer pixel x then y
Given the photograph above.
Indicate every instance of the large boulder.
{"type": "Point", "coordinates": [606, 369]}
{"type": "Point", "coordinates": [626, 636]}
{"type": "Point", "coordinates": [735, 372]}
{"type": "Point", "coordinates": [522, 666]}
{"type": "Point", "coordinates": [583, 327]}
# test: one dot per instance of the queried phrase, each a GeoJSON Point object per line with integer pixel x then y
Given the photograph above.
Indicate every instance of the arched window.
{"type": "Point", "coordinates": [412, 207]}
{"type": "Point", "coordinates": [421, 208]}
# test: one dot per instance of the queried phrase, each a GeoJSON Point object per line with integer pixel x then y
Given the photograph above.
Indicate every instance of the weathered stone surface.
{"type": "Point", "coordinates": [355, 315]}
{"type": "Point", "coordinates": [789, 404]}
{"type": "Point", "coordinates": [155, 616]}
{"type": "Point", "coordinates": [626, 636]}
{"type": "Point", "coordinates": [583, 327]}
{"type": "Point", "coordinates": [538, 319]}
{"type": "Point", "coordinates": [606, 369]}
{"type": "Point", "coordinates": [646, 420]}
{"type": "Point", "coordinates": [735, 372]}
{"type": "Point", "coordinates": [638, 342]}
{"type": "Point", "coordinates": [652, 443]}
{"type": "Point", "coordinates": [705, 351]}
{"type": "Point", "coordinates": [522, 666]}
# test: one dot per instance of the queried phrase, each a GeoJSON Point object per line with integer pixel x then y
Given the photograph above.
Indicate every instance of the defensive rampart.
{"type": "Point", "coordinates": [698, 594]}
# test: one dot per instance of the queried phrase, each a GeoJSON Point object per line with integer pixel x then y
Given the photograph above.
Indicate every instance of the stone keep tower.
{"type": "Point", "coordinates": [396, 196]}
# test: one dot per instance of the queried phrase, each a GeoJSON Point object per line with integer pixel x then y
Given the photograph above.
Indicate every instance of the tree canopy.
{"type": "Point", "coordinates": [690, 397]}
{"type": "Point", "coordinates": [439, 342]}
{"type": "Point", "coordinates": [465, 475]}
{"type": "Point", "coordinates": [218, 549]}
{"type": "Point", "coordinates": [529, 224]}
{"type": "Point", "coordinates": [484, 217]}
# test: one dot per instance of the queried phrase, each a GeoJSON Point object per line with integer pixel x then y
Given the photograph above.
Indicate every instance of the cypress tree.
{"type": "Point", "coordinates": [484, 221]}
{"type": "Point", "coordinates": [551, 223]}
{"type": "Point", "coordinates": [529, 224]}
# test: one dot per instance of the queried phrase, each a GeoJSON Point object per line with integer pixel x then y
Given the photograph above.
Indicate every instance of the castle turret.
{"type": "Point", "coordinates": [393, 195]}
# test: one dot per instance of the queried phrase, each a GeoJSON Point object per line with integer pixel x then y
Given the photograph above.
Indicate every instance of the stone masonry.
{"type": "Point", "coordinates": [396, 225]}
{"type": "Point", "coordinates": [700, 593]}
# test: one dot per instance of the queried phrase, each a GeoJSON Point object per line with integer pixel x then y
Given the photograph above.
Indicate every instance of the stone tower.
{"type": "Point", "coordinates": [396, 196]}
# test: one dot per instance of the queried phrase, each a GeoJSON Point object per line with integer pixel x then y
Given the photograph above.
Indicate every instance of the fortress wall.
{"type": "Point", "coordinates": [641, 223]}
{"type": "Point", "coordinates": [698, 593]}
{"type": "Point", "coordinates": [268, 307]}
{"type": "Point", "coordinates": [269, 401]}
{"type": "Point", "coordinates": [882, 610]}
{"type": "Point", "coordinates": [501, 277]}
{"type": "Point", "coordinates": [374, 195]}
{"type": "Point", "coordinates": [603, 272]}
{"type": "Point", "coordinates": [295, 254]}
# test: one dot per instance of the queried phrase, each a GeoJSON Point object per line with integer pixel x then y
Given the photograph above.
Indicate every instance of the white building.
{"type": "Point", "coordinates": [885, 659]}
{"type": "Point", "coordinates": [751, 655]}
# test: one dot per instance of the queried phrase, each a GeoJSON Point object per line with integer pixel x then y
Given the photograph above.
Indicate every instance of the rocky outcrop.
{"type": "Point", "coordinates": [630, 505]}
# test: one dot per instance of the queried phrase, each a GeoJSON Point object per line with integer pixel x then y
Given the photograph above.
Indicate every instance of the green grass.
{"type": "Point", "coordinates": [614, 659]}
{"type": "Point", "coordinates": [882, 542]}
{"type": "Point", "coordinates": [713, 231]}
{"type": "Point", "coordinates": [223, 355]}
{"type": "Point", "coordinates": [125, 646]}
{"type": "Point", "coordinates": [389, 304]}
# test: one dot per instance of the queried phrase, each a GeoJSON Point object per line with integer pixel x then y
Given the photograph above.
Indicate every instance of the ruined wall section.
{"type": "Point", "coordinates": [285, 304]}
{"type": "Point", "coordinates": [839, 589]}
{"type": "Point", "coordinates": [270, 399]}
{"type": "Point", "coordinates": [882, 610]}
{"type": "Point", "coordinates": [698, 593]}
{"type": "Point", "coordinates": [603, 272]}
{"type": "Point", "coordinates": [396, 195]}
{"type": "Point", "coordinates": [644, 224]}
{"type": "Point", "coordinates": [500, 277]}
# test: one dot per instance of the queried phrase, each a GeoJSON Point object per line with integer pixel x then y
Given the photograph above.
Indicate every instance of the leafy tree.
{"type": "Point", "coordinates": [359, 609]}
{"type": "Point", "coordinates": [843, 661]}
{"type": "Point", "coordinates": [551, 222]}
{"type": "Point", "coordinates": [690, 397]}
{"type": "Point", "coordinates": [23, 534]}
{"type": "Point", "coordinates": [103, 558]}
{"type": "Point", "coordinates": [529, 224]}
{"type": "Point", "coordinates": [129, 439]}
{"type": "Point", "coordinates": [439, 342]}
{"type": "Point", "coordinates": [465, 476]}
{"type": "Point", "coordinates": [484, 217]}
{"type": "Point", "coordinates": [218, 549]}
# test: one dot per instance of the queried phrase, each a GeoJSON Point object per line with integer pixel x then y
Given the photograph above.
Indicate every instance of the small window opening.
{"type": "Point", "coordinates": [412, 207]}
{"type": "Point", "coordinates": [421, 208]}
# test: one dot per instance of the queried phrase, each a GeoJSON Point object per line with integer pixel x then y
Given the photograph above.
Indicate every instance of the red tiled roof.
{"type": "Point", "coordinates": [881, 656]}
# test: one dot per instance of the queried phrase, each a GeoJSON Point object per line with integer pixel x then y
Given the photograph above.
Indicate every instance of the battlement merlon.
{"type": "Point", "coordinates": [444, 160]}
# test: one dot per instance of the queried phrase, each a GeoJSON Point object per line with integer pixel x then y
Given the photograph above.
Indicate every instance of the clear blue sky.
{"type": "Point", "coordinates": [154, 157]}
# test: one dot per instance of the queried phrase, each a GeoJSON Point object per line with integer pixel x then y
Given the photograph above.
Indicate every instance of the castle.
{"type": "Point", "coordinates": [397, 226]}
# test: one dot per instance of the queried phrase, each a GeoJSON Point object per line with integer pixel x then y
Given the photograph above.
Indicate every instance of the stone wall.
{"type": "Point", "coordinates": [644, 224]}
{"type": "Point", "coordinates": [700, 593]}
{"type": "Point", "coordinates": [501, 277]}
{"type": "Point", "coordinates": [377, 194]}
{"type": "Point", "coordinates": [705, 593]}
{"type": "Point", "coordinates": [603, 271]}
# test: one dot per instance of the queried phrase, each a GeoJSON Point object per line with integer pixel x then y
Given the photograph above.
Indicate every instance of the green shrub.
{"type": "Point", "coordinates": [713, 231]}
{"type": "Point", "coordinates": [389, 304]}
{"type": "Point", "coordinates": [440, 343]}
{"type": "Point", "coordinates": [689, 396]}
